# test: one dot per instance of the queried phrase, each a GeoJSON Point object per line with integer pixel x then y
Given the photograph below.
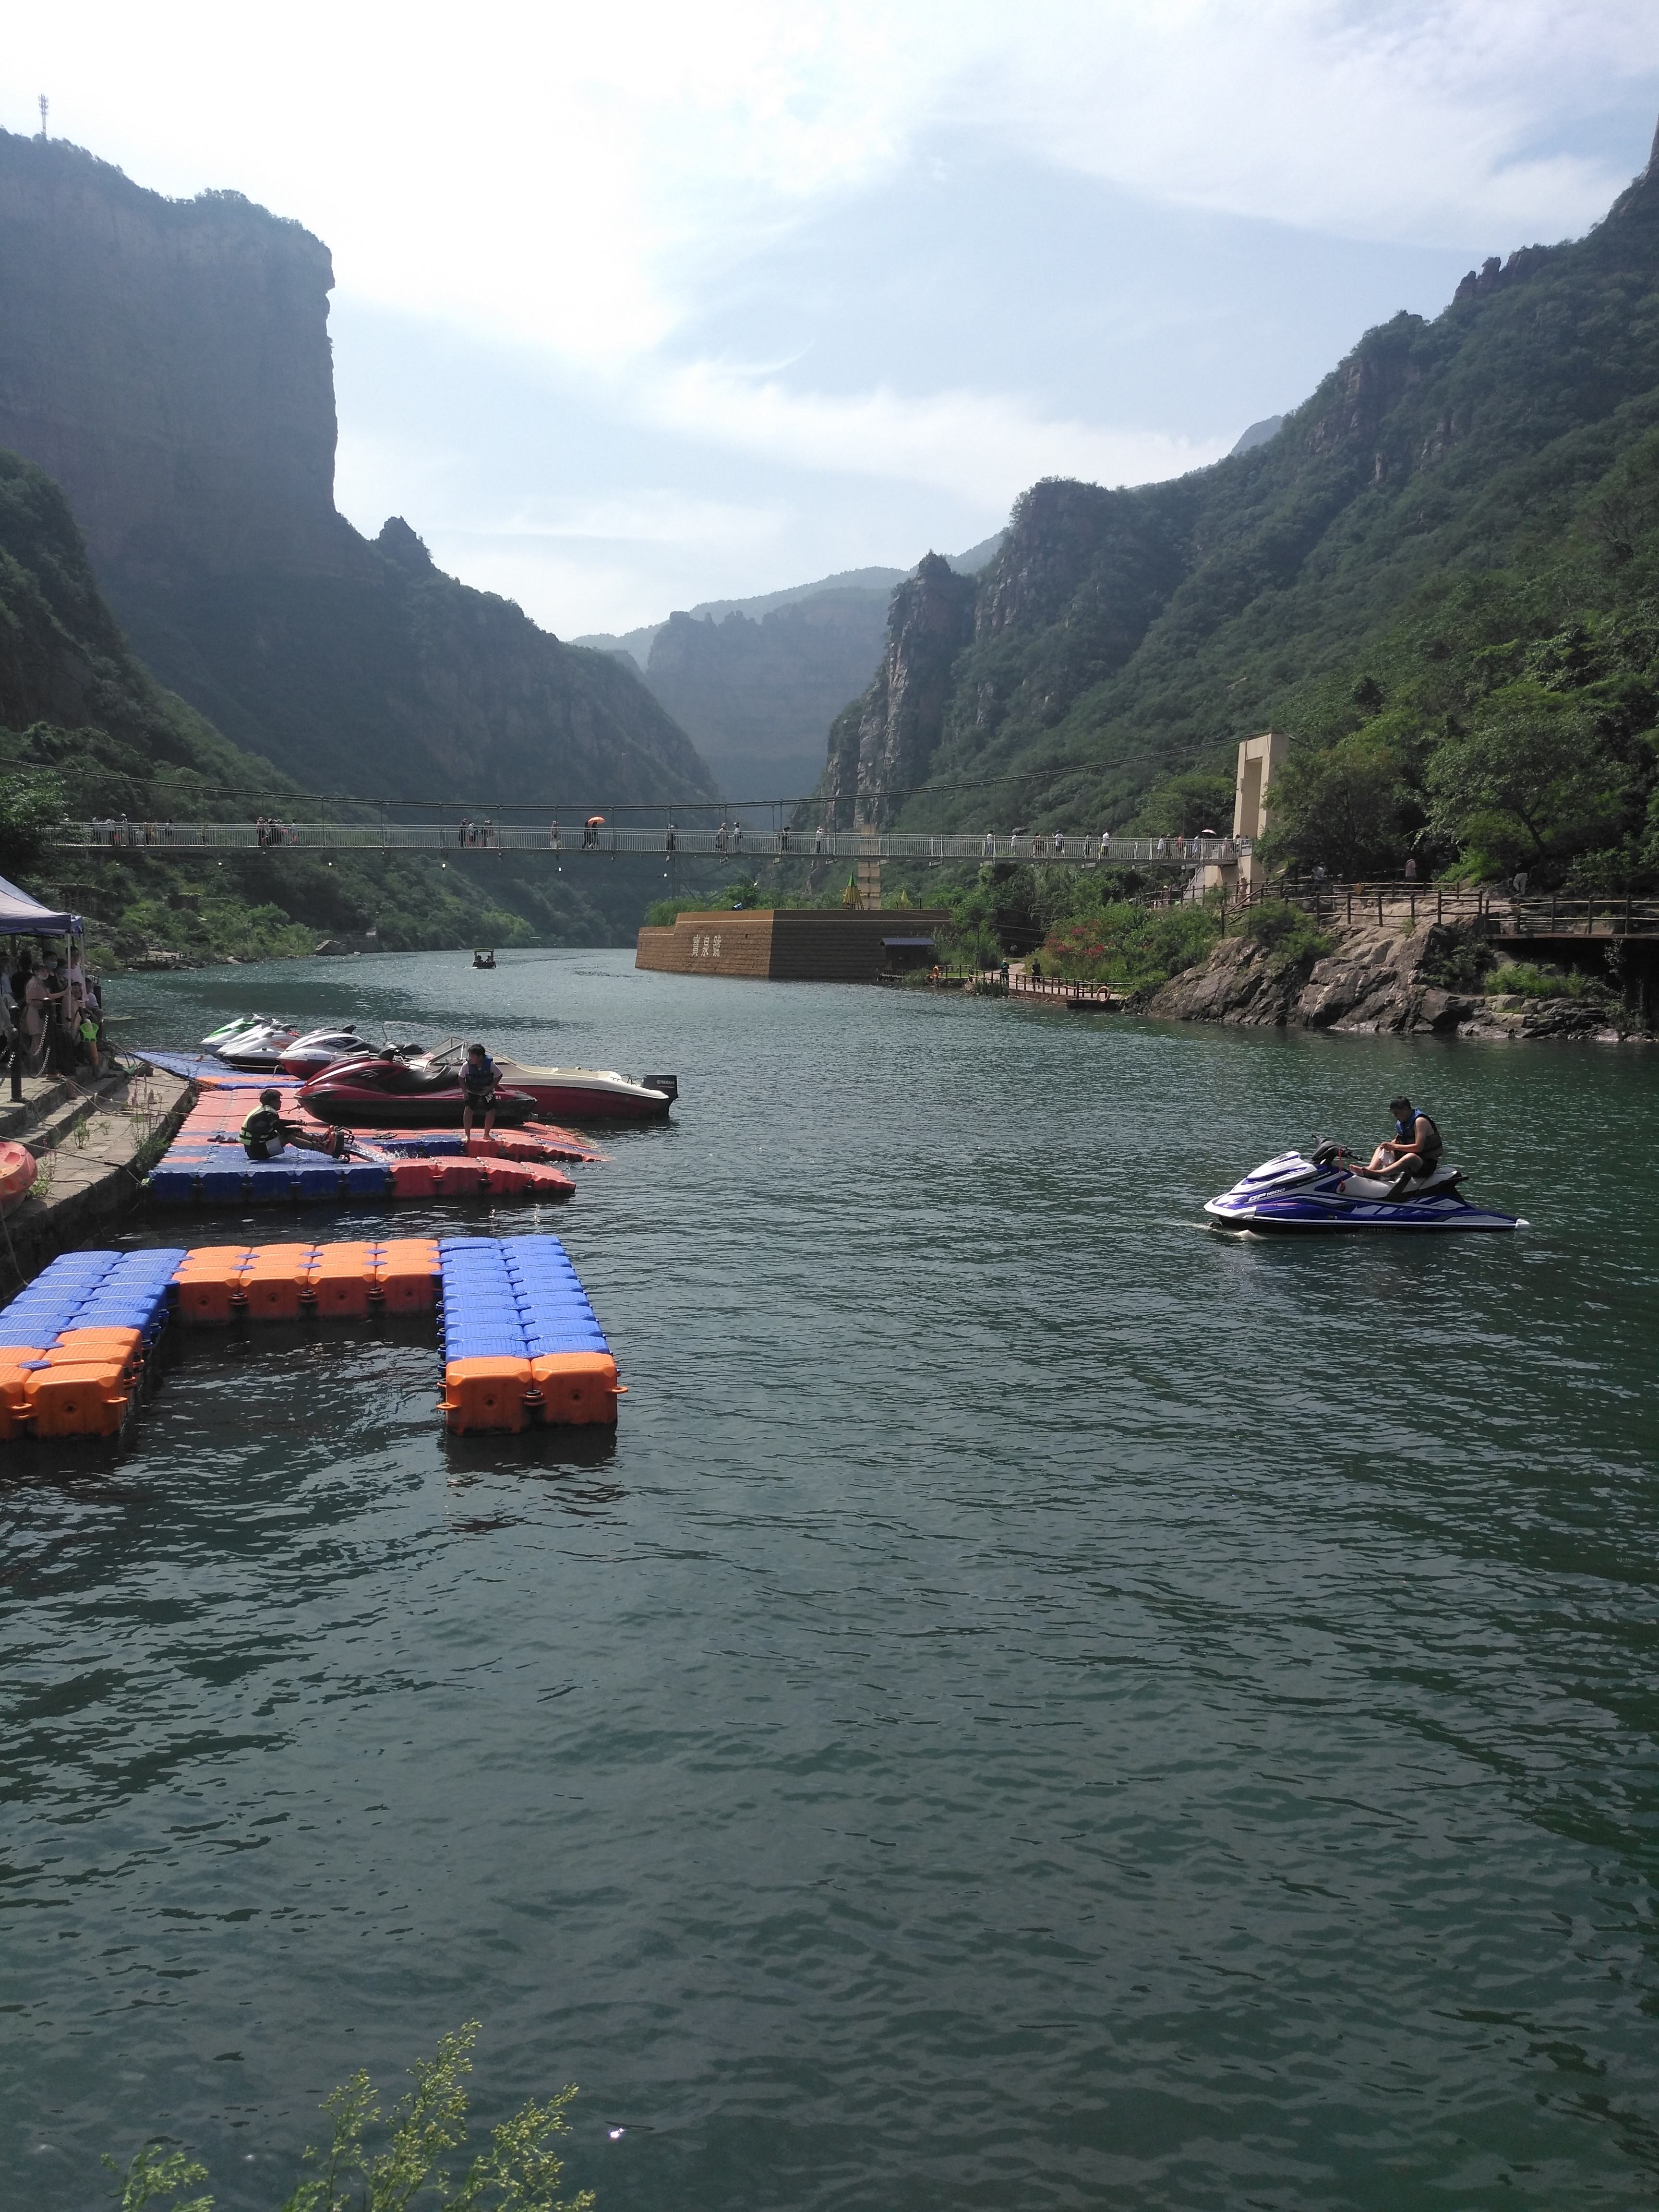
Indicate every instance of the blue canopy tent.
{"type": "Point", "coordinates": [23, 916]}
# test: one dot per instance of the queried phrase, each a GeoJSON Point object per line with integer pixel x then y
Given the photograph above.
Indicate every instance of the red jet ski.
{"type": "Point", "coordinates": [385, 1092]}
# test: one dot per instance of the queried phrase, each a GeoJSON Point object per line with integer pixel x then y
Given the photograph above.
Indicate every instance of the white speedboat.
{"type": "Point", "coordinates": [580, 1094]}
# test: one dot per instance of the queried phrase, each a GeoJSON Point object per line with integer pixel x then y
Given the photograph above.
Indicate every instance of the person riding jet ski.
{"type": "Point", "coordinates": [1414, 1149]}
{"type": "Point", "coordinates": [266, 1133]}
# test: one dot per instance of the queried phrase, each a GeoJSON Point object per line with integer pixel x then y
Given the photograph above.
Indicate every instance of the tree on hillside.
{"type": "Point", "coordinates": [31, 806]}
{"type": "Point", "coordinates": [1348, 809]}
{"type": "Point", "coordinates": [1188, 805]}
{"type": "Point", "coordinates": [1529, 783]}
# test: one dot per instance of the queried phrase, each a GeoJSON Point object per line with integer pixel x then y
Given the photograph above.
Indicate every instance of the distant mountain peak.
{"type": "Point", "coordinates": [1259, 433]}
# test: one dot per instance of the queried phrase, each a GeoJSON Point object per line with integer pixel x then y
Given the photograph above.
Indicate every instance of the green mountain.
{"type": "Point", "coordinates": [167, 363]}
{"type": "Point", "coordinates": [754, 681]}
{"type": "Point", "coordinates": [84, 727]}
{"type": "Point", "coordinates": [1440, 576]}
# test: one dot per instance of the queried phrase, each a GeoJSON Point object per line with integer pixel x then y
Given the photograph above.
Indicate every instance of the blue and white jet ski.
{"type": "Point", "coordinates": [1327, 1191]}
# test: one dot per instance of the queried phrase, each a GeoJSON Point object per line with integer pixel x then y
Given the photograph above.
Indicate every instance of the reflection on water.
{"type": "Point", "coordinates": [1033, 1706]}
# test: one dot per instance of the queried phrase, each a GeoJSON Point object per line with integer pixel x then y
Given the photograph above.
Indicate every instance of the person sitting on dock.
{"type": "Point", "coordinates": [1414, 1149]}
{"type": "Point", "coordinates": [265, 1134]}
{"type": "Point", "coordinates": [478, 1088]}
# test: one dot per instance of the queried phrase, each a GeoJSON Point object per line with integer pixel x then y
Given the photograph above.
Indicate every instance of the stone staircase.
{"type": "Point", "coordinates": [92, 1140]}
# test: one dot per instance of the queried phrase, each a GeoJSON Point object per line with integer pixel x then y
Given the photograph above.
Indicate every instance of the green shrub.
{"type": "Point", "coordinates": [1289, 936]}
{"type": "Point", "coordinates": [517, 2171]}
{"type": "Point", "coordinates": [1522, 979]}
{"type": "Point", "coordinates": [1133, 948]}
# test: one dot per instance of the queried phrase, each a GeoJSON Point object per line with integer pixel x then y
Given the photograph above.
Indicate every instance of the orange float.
{"type": "Point", "coordinates": [17, 1172]}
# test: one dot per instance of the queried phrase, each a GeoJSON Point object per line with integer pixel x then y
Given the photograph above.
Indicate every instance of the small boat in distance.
{"type": "Point", "coordinates": [483, 960]}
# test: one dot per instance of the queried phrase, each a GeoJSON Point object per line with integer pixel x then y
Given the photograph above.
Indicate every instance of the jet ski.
{"type": "Point", "coordinates": [319, 1049]}
{"type": "Point", "coordinates": [389, 1092]}
{"type": "Point", "coordinates": [1327, 1191]}
{"type": "Point", "coordinates": [238, 1027]}
{"type": "Point", "coordinates": [258, 1048]}
{"type": "Point", "coordinates": [581, 1094]}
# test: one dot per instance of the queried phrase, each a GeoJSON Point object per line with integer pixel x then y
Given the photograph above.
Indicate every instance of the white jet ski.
{"type": "Point", "coordinates": [1326, 1191]}
{"type": "Point", "coordinates": [260, 1048]}
{"type": "Point", "coordinates": [239, 1025]}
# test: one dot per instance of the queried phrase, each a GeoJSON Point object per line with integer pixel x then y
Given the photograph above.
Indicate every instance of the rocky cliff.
{"type": "Point", "coordinates": [168, 363]}
{"type": "Point", "coordinates": [1392, 978]}
{"type": "Point", "coordinates": [756, 696]}
{"type": "Point", "coordinates": [881, 745]}
{"type": "Point", "coordinates": [1455, 492]}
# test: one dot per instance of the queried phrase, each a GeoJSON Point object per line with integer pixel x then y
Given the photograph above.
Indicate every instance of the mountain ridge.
{"type": "Point", "coordinates": [1363, 578]}
{"type": "Point", "coordinates": [167, 363]}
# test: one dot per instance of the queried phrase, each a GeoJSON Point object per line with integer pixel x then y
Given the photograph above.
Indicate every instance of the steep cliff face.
{"type": "Point", "coordinates": [1120, 637]}
{"type": "Point", "coordinates": [881, 746]}
{"type": "Point", "coordinates": [168, 363]}
{"type": "Point", "coordinates": [75, 703]}
{"type": "Point", "coordinates": [756, 697]}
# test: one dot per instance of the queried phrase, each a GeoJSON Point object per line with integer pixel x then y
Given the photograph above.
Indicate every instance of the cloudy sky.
{"type": "Point", "coordinates": [637, 307]}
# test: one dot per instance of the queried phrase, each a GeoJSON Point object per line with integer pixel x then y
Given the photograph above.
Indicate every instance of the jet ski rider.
{"type": "Point", "coordinates": [264, 1132]}
{"type": "Point", "coordinates": [1412, 1153]}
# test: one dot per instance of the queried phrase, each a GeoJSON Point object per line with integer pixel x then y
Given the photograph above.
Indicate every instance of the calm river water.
{"type": "Point", "coordinates": [1039, 1707]}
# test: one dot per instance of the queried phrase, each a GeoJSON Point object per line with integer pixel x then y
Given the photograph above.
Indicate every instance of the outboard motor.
{"type": "Point", "coordinates": [668, 1085]}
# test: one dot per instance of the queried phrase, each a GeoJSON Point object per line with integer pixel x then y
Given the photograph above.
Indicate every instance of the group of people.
{"type": "Point", "coordinates": [54, 1016]}
{"type": "Point", "coordinates": [267, 1132]}
{"type": "Point", "coordinates": [469, 832]}
{"type": "Point", "coordinates": [270, 831]}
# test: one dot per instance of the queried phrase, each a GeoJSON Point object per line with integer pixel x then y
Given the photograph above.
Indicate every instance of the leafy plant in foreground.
{"type": "Point", "coordinates": [517, 2170]}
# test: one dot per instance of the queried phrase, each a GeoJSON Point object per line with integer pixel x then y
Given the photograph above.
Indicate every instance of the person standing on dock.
{"type": "Point", "coordinates": [478, 1089]}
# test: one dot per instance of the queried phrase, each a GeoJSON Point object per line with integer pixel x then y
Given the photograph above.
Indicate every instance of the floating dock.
{"type": "Point", "coordinates": [205, 1165]}
{"type": "Point", "coordinates": [521, 1346]}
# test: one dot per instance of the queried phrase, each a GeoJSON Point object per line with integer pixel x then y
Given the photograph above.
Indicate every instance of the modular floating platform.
{"type": "Point", "coordinates": [206, 1164]}
{"type": "Point", "coordinates": [521, 1347]}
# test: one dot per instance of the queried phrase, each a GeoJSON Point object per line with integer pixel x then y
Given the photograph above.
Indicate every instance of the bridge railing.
{"type": "Point", "coordinates": [1057, 848]}
{"type": "Point", "coordinates": [1502, 911]}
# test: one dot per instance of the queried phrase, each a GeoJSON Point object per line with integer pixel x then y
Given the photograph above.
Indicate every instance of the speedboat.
{"type": "Point", "coordinates": [1326, 1191]}
{"type": "Point", "coordinates": [259, 1048]}
{"type": "Point", "coordinates": [388, 1092]}
{"type": "Point", "coordinates": [581, 1094]}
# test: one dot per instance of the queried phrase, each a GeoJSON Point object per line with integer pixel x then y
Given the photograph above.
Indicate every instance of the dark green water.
{"type": "Point", "coordinates": [1040, 1707]}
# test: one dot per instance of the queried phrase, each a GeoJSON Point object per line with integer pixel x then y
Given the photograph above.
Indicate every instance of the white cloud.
{"type": "Point", "coordinates": [980, 445]}
{"type": "Point", "coordinates": [565, 174]}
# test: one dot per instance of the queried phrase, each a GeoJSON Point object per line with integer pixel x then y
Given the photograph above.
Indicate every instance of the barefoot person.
{"type": "Point", "coordinates": [265, 1134]}
{"type": "Point", "coordinates": [1413, 1150]}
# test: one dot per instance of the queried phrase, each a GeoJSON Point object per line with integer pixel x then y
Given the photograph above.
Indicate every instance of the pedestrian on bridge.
{"type": "Point", "coordinates": [553, 835]}
{"type": "Point", "coordinates": [668, 839]}
{"type": "Point", "coordinates": [818, 844]}
{"type": "Point", "coordinates": [989, 848]}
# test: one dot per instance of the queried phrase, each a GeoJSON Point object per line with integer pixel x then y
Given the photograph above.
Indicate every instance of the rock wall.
{"type": "Point", "coordinates": [757, 696]}
{"type": "Point", "coordinates": [1375, 980]}
{"type": "Point", "coordinates": [881, 745]}
{"type": "Point", "coordinates": [169, 362]}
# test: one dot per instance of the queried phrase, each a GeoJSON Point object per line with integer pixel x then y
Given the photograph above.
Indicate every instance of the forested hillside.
{"type": "Point", "coordinates": [167, 363]}
{"type": "Point", "coordinates": [84, 728]}
{"type": "Point", "coordinates": [1441, 578]}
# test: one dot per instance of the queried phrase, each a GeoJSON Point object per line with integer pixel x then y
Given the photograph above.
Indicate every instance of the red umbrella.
{"type": "Point", "coordinates": [595, 821]}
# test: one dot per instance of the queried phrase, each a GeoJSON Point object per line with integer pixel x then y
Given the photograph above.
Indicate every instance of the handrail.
{"type": "Point", "coordinates": [737, 844]}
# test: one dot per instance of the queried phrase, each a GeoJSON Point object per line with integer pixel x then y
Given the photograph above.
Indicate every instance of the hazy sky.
{"type": "Point", "coordinates": [640, 306]}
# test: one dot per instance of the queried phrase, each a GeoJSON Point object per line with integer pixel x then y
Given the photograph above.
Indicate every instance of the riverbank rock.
{"type": "Point", "coordinates": [1375, 980]}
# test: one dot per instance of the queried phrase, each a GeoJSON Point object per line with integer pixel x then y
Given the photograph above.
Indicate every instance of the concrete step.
{"type": "Point", "coordinates": [53, 1106]}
